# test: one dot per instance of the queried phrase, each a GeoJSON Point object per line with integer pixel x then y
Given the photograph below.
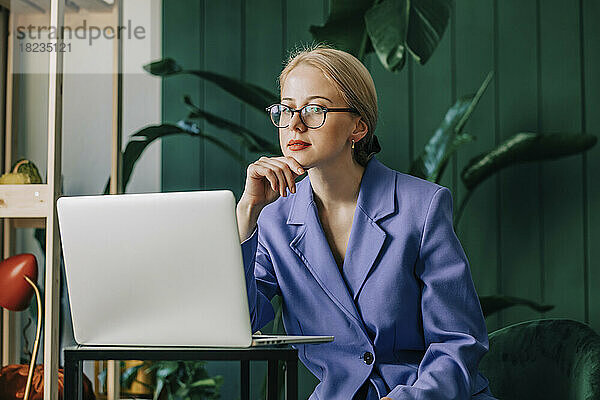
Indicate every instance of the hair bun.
{"type": "Point", "coordinates": [374, 147]}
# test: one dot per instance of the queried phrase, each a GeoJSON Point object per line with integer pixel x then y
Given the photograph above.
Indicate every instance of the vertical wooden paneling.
{"type": "Point", "coordinates": [299, 16]}
{"type": "Point", "coordinates": [478, 228]}
{"type": "Point", "coordinates": [591, 117]}
{"type": "Point", "coordinates": [517, 112]}
{"type": "Point", "coordinates": [431, 84]}
{"type": "Point", "coordinates": [393, 126]}
{"type": "Point", "coordinates": [183, 156]}
{"type": "Point", "coordinates": [562, 182]}
{"type": "Point", "coordinates": [263, 48]}
{"type": "Point", "coordinates": [222, 44]}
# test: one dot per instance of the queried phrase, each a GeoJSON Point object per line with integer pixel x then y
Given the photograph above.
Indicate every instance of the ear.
{"type": "Point", "coordinates": [360, 130]}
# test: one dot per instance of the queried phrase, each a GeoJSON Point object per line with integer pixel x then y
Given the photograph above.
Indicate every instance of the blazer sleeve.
{"type": "Point", "coordinates": [454, 329]}
{"type": "Point", "coordinates": [261, 283]}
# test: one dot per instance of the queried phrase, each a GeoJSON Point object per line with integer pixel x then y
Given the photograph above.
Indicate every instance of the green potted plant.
{"type": "Point", "coordinates": [171, 380]}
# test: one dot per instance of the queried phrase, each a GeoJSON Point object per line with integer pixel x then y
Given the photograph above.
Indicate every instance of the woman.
{"type": "Point", "coordinates": [357, 250]}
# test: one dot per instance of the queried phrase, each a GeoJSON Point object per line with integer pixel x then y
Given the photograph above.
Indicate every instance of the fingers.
{"type": "Point", "coordinates": [284, 173]}
{"type": "Point", "coordinates": [279, 175]}
{"type": "Point", "coordinates": [293, 164]}
{"type": "Point", "coordinates": [281, 172]}
{"type": "Point", "coordinates": [267, 172]}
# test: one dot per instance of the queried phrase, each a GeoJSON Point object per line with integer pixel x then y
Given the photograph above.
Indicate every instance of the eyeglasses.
{"type": "Point", "coordinates": [311, 115]}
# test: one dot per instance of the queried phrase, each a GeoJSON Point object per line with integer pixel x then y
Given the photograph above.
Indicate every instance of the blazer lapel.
{"type": "Point", "coordinates": [376, 200]}
{"type": "Point", "coordinates": [311, 245]}
{"type": "Point", "coordinates": [365, 243]}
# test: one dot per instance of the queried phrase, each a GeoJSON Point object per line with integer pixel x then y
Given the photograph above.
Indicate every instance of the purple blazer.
{"type": "Point", "coordinates": [404, 311]}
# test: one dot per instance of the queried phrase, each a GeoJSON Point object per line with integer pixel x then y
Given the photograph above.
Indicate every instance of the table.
{"type": "Point", "coordinates": [75, 355]}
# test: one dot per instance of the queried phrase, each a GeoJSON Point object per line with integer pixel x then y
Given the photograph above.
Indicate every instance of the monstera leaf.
{"type": "Point", "coordinates": [389, 39]}
{"type": "Point", "coordinates": [430, 164]}
{"type": "Point", "coordinates": [428, 21]}
{"type": "Point", "coordinates": [524, 147]}
{"type": "Point", "coordinates": [250, 94]}
{"type": "Point", "coordinates": [345, 26]}
{"type": "Point", "coordinates": [391, 28]}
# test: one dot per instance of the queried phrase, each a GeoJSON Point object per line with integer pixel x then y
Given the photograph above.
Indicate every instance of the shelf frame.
{"type": "Point", "coordinates": [34, 206]}
{"type": "Point", "coordinates": [52, 273]}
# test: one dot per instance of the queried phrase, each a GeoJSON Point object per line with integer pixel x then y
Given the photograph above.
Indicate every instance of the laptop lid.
{"type": "Point", "coordinates": [155, 269]}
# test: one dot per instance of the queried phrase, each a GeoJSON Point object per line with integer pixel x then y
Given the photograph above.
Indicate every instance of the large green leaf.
{"type": "Point", "coordinates": [428, 21]}
{"type": "Point", "coordinates": [251, 140]}
{"type": "Point", "coordinates": [492, 304]}
{"type": "Point", "coordinates": [448, 137]}
{"type": "Point", "coordinates": [184, 379]}
{"type": "Point", "coordinates": [389, 39]}
{"type": "Point", "coordinates": [165, 67]}
{"type": "Point", "coordinates": [165, 368]}
{"type": "Point", "coordinates": [143, 138]}
{"type": "Point", "coordinates": [389, 27]}
{"type": "Point", "coordinates": [345, 26]}
{"type": "Point", "coordinates": [250, 94]}
{"type": "Point", "coordinates": [160, 384]}
{"type": "Point", "coordinates": [128, 376]}
{"type": "Point", "coordinates": [524, 147]}
{"type": "Point", "coordinates": [432, 160]}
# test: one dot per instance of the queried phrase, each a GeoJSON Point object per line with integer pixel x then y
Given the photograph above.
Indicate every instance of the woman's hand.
{"type": "Point", "coordinates": [268, 178]}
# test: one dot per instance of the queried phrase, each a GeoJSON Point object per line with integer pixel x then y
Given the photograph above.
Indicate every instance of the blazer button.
{"type": "Point", "coordinates": [368, 358]}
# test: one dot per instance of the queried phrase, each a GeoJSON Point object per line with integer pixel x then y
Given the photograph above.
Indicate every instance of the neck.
{"type": "Point", "coordinates": [336, 185]}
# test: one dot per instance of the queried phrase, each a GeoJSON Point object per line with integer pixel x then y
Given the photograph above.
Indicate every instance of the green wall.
{"type": "Point", "coordinates": [531, 231]}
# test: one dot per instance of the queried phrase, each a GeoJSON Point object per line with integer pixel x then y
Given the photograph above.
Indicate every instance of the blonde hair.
{"type": "Point", "coordinates": [354, 83]}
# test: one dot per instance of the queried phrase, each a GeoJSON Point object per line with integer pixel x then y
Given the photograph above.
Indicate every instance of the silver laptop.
{"type": "Point", "coordinates": [158, 269]}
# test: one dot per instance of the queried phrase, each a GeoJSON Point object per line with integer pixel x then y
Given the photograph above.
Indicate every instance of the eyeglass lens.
{"type": "Point", "coordinates": [312, 116]}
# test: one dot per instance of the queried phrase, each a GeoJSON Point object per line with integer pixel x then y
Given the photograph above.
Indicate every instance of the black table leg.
{"type": "Point", "coordinates": [272, 380]}
{"type": "Point", "coordinates": [291, 380]}
{"type": "Point", "coordinates": [79, 380]}
{"type": "Point", "coordinates": [245, 379]}
{"type": "Point", "coordinates": [72, 375]}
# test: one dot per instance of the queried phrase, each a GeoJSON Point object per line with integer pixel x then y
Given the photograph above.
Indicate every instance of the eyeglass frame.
{"type": "Point", "coordinates": [299, 110]}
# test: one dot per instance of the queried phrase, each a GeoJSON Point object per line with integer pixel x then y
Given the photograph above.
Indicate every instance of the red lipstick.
{"type": "Point", "coordinates": [296, 145]}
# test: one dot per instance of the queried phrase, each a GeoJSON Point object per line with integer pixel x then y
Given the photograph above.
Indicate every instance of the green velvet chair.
{"type": "Point", "coordinates": [544, 359]}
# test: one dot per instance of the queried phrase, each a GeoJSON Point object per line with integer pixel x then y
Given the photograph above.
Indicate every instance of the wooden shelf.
{"type": "Point", "coordinates": [29, 206]}
{"type": "Point", "coordinates": [34, 206]}
{"type": "Point", "coordinates": [25, 201]}
{"type": "Point", "coordinates": [28, 222]}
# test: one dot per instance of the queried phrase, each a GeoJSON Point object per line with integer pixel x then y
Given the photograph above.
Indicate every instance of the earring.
{"type": "Point", "coordinates": [352, 144]}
